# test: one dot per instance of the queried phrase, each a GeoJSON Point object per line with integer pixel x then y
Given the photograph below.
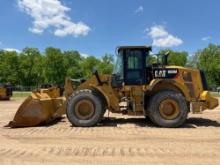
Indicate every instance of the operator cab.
{"type": "Point", "coordinates": [131, 64]}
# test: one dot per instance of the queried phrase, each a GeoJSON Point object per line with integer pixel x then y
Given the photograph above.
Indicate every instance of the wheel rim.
{"type": "Point", "coordinates": [84, 109]}
{"type": "Point", "coordinates": [169, 109]}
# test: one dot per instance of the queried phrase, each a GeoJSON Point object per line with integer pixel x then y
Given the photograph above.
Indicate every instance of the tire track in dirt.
{"type": "Point", "coordinates": [106, 131]}
{"type": "Point", "coordinates": [100, 152]}
{"type": "Point", "coordinates": [123, 151]}
{"type": "Point", "coordinates": [17, 153]}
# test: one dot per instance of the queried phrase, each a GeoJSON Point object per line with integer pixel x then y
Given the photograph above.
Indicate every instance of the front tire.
{"type": "Point", "coordinates": [168, 109]}
{"type": "Point", "coordinates": [85, 108]}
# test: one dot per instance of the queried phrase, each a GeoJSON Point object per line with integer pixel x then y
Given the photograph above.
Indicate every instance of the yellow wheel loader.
{"type": "Point", "coordinates": [164, 93]}
{"type": "Point", "coordinates": [5, 91]}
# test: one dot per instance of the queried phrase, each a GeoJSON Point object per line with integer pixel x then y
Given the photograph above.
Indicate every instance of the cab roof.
{"type": "Point", "coordinates": [149, 48]}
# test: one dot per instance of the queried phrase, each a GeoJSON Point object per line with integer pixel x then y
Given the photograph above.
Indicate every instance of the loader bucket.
{"type": "Point", "coordinates": [42, 107]}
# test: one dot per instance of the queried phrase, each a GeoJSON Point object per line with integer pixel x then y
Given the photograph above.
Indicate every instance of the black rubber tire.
{"type": "Point", "coordinates": [97, 103]}
{"type": "Point", "coordinates": [154, 112]}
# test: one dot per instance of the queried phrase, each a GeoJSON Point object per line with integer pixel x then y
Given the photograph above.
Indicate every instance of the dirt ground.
{"type": "Point", "coordinates": [118, 140]}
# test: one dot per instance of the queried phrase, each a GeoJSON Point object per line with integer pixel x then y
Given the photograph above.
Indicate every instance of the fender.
{"type": "Point", "coordinates": [170, 82]}
{"type": "Point", "coordinates": [107, 92]}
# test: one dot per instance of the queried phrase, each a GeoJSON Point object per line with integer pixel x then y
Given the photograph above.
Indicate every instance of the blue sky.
{"type": "Point", "coordinates": [96, 27]}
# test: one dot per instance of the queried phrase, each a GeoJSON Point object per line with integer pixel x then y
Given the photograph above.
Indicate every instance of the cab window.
{"type": "Point", "coordinates": [134, 59]}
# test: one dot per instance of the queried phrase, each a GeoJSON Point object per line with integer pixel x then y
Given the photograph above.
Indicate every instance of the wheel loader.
{"type": "Point", "coordinates": [164, 93]}
{"type": "Point", "coordinates": [5, 91]}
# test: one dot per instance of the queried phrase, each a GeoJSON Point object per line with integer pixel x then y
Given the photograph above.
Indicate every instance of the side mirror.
{"type": "Point", "coordinates": [167, 53]}
{"type": "Point", "coordinates": [94, 70]}
{"type": "Point", "coordinates": [165, 58]}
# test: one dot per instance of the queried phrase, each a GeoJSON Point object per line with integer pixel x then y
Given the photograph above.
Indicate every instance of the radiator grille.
{"type": "Point", "coordinates": [187, 77]}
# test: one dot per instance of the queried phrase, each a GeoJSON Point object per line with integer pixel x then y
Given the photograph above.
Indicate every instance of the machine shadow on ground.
{"type": "Point", "coordinates": [142, 122]}
{"type": "Point", "coordinates": [201, 122]}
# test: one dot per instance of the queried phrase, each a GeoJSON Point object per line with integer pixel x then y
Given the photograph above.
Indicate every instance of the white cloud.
{"type": "Point", "coordinates": [206, 38]}
{"type": "Point", "coordinates": [157, 31]}
{"type": "Point", "coordinates": [51, 13]}
{"type": "Point", "coordinates": [162, 38]}
{"type": "Point", "coordinates": [11, 50]}
{"type": "Point", "coordinates": [139, 10]}
{"type": "Point", "coordinates": [168, 41]}
{"type": "Point", "coordinates": [84, 55]}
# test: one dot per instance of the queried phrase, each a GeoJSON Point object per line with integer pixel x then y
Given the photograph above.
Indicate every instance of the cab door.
{"type": "Point", "coordinates": [134, 72]}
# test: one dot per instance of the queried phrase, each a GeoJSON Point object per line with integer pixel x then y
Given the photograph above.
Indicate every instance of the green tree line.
{"type": "Point", "coordinates": [30, 67]}
{"type": "Point", "coordinates": [33, 68]}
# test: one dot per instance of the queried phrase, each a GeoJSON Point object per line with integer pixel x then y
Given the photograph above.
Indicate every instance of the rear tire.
{"type": "Point", "coordinates": [168, 109]}
{"type": "Point", "coordinates": [85, 108]}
